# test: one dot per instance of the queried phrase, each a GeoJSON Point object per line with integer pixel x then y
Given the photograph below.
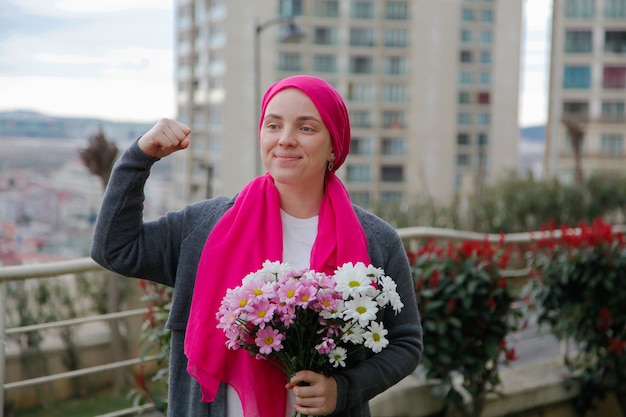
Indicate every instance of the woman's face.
{"type": "Point", "coordinates": [295, 144]}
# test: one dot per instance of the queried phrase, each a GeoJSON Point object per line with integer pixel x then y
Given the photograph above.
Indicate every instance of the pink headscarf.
{"type": "Point", "coordinates": [250, 233]}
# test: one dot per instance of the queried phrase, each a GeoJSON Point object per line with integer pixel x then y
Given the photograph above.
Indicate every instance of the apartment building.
{"type": "Point", "coordinates": [431, 87]}
{"type": "Point", "coordinates": [587, 88]}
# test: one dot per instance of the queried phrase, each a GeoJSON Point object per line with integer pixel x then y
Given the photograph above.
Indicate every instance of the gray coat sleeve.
{"type": "Point", "coordinates": [377, 372]}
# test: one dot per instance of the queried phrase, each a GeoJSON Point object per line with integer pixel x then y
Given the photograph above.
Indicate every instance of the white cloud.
{"type": "Point", "coordinates": [114, 98]}
{"type": "Point", "coordinates": [99, 6]}
{"type": "Point", "coordinates": [96, 58]}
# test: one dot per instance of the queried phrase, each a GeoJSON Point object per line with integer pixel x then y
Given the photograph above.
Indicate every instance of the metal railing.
{"type": "Point", "coordinates": [51, 270]}
{"type": "Point", "coordinates": [411, 235]}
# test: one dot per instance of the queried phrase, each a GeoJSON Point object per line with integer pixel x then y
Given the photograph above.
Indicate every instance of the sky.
{"type": "Point", "coordinates": [113, 59]}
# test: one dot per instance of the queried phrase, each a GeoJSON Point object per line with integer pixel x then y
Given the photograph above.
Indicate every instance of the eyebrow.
{"type": "Point", "coordinates": [300, 118]}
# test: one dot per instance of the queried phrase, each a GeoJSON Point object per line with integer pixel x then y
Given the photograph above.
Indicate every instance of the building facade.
{"type": "Point", "coordinates": [431, 87]}
{"type": "Point", "coordinates": [587, 88]}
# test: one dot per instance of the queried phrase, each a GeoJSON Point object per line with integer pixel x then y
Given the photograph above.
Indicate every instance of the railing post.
{"type": "Point", "coordinates": [3, 303]}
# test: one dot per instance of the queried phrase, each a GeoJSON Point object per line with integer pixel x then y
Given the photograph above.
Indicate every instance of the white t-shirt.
{"type": "Point", "coordinates": [298, 238]}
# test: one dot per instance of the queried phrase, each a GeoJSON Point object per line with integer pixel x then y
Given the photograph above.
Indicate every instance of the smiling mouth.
{"type": "Point", "coordinates": [287, 157]}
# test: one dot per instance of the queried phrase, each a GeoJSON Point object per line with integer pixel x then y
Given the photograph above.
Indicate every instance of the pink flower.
{"type": "Point", "coordinates": [326, 346]}
{"type": "Point", "coordinates": [260, 312]}
{"type": "Point", "coordinates": [268, 340]}
{"type": "Point", "coordinates": [306, 295]}
{"type": "Point", "coordinates": [288, 291]}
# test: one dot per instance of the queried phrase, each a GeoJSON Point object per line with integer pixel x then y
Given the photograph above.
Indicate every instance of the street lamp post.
{"type": "Point", "coordinates": [293, 34]}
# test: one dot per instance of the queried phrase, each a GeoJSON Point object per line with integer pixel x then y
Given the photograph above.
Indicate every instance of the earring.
{"type": "Point", "coordinates": [330, 165]}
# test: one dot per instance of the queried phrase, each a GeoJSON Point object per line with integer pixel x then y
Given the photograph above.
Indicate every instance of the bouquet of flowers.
{"type": "Point", "coordinates": [306, 319]}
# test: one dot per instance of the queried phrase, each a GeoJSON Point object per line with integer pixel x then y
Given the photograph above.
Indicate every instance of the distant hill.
{"type": "Point", "coordinates": [29, 124]}
{"type": "Point", "coordinates": [533, 134]}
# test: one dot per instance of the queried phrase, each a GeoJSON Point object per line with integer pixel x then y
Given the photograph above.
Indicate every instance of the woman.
{"type": "Point", "coordinates": [300, 213]}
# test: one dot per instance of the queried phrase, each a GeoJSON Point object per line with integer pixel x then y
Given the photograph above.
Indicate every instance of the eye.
{"type": "Point", "coordinates": [307, 129]}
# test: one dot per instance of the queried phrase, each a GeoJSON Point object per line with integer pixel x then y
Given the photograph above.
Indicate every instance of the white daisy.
{"type": "Point", "coordinates": [361, 309]}
{"type": "Point", "coordinates": [352, 280]}
{"type": "Point", "coordinates": [337, 357]}
{"type": "Point", "coordinates": [375, 337]}
{"type": "Point", "coordinates": [352, 333]}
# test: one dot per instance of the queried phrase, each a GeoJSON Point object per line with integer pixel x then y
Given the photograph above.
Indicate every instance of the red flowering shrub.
{"type": "Point", "coordinates": [581, 293]}
{"type": "Point", "coordinates": [467, 311]}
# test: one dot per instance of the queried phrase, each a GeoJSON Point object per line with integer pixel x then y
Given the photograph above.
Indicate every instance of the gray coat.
{"type": "Point", "coordinates": [167, 251]}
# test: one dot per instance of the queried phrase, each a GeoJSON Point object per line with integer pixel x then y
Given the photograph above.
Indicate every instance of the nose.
{"type": "Point", "coordinates": [287, 137]}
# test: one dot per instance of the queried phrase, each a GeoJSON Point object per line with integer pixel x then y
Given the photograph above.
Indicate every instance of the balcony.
{"type": "Point", "coordinates": [533, 383]}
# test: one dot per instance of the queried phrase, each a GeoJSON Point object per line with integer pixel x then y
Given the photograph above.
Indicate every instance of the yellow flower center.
{"type": "Point", "coordinates": [361, 310]}
{"type": "Point", "coordinates": [257, 291]}
{"type": "Point", "coordinates": [354, 284]}
{"type": "Point", "coordinates": [376, 337]}
{"type": "Point", "coordinates": [269, 340]}
{"type": "Point", "coordinates": [242, 303]}
{"type": "Point", "coordinates": [291, 293]}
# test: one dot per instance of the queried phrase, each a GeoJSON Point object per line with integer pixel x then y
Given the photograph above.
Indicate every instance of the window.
{"type": "Point", "coordinates": [578, 41]}
{"type": "Point", "coordinates": [324, 63]}
{"type": "Point", "coordinates": [393, 119]}
{"type": "Point", "coordinates": [391, 173]}
{"type": "Point", "coordinates": [467, 15]}
{"type": "Point", "coordinates": [465, 77]}
{"type": "Point", "coordinates": [486, 37]}
{"type": "Point", "coordinates": [579, 8]}
{"type": "Point", "coordinates": [466, 36]}
{"type": "Point", "coordinates": [464, 98]}
{"type": "Point", "coordinates": [615, 8]}
{"type": "Point", "coordinates": [486, 15]}
{"type": "Point", "coordinates": [464, 119]}
{"type": "Point", "coordinates": [462, 139]}
{"type": "Point", "coordinates": [324, 36]}
{"type": "Point", "coordinates": [576, 108]}
{"type": "Point", "coordinates": [483, 98]}
{"type": "Point", "coordinates": [290, 8]}
{"type": "Point", "coordinates": [483, 119]}
{"type": "Point", "coordinates": [485, 57]}
{"type": "Point", "coordinates": [361, 118]}
{"type": "Point", "coordinates": [611, 145]}
{"type": "Point", "coordinates": [361, 198]}
{"type": "Point", "coordinates": [615, 41]}
{"type": "Point", "coordinates": [484, 78]}
{"type": "Point", "coordinates": [289, 62]}
{"type": "Point", "coordinates": [465, 56]}
{"type": "Point", "coordinates": [362, 10]}
{"type": "Point", "coordinates": [395, 93]}
{"type": "Point", "coordinates": [326, 8]}
{"type": "Point", "coordinates": [396, 37]}
{"type": "Point", "coordinates": [483, 139]}
{"type": "Point", "coordinates": [391, 197]}
{"type": "Point", "coordinates": [462, 159]}
{"type": "Point", "coordinates": [361, 146]}
{"type": "Point", "coordinates": [361, 92]}
{"type": "Point", "coordinates": [358, 173]}
{"type": "Point", "coordinates": [575, 76]}
{"type": "Point", "coordinates": [361, 65]}
{"type": "Point", "coordinates": [393, 146]}
{"type": "Point", "coordinates": [395, 65]}
{"type": "Point", "coordinates": [362, 37]}
{"type": "Point", "coordinates": [396, 10]}
{"type": "Point", "coordinates": [614, 77]}
{"type": "Point", "coordinates": [613, 110]}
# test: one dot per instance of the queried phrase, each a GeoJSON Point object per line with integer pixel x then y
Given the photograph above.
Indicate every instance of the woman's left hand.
{"type": "Point", "coordinates": [317, 396]}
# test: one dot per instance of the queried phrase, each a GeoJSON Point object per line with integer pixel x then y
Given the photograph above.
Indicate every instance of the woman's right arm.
{"type": "Point", "coordinates": [122, 241]}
